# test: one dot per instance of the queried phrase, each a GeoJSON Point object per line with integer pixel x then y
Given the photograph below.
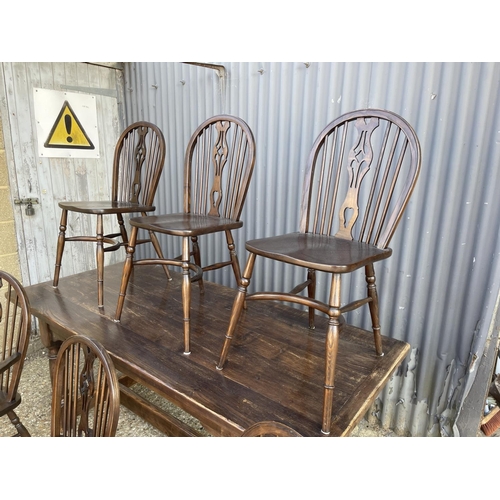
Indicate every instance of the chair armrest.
{"type": "Point", "coordinates": [8, 362]}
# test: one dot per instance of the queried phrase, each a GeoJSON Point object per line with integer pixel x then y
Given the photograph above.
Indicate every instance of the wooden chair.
{"type": "Point", "coordinates": [86, 395]}
{"type": "Point", "coordinates": [270, 429]}
{"type": "Point", "coordinates": [15, 329]}
{"type": "Point", "coordinates": [218, 166]}
{"type": "Point", "coordinates": [138, 163]}
{"type": "Point", "coordinates": [362, 169]}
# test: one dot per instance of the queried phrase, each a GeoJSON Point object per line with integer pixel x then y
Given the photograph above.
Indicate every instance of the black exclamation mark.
{"type": "Point", "coordinates": [67, 122]}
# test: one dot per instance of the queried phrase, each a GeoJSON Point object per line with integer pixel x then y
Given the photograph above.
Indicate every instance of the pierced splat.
{"type": "Point", "coordinates": [140, 156]}
{"type": "Point", "coordinates": [86, 394]}
{"type": "Point", "coordinates": [219, 159]}
{"type": "Point", "coordinates": [360, 159]}
{"type": "Point", "coordinates": [86, 390]}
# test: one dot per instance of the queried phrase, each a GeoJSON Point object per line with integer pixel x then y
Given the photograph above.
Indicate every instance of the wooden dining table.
{"type": "Point", "coordinates": [275, 367]}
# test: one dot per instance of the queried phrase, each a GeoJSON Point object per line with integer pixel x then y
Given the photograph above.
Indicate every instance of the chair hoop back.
{"type": "Point", "coordinates": [15, 329]}
{"type": "Point", "coordinates": [86, 395]}
{"type": "Point", "coordinates": [218, 166]}
{"type": "Point", "coordinates": [360, 174]}
{"type": "Point", "coordinates": [138, 163]}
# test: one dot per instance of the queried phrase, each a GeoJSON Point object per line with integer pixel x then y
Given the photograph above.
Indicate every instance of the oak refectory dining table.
{"type": "Point", "coordinates": [275, 370]}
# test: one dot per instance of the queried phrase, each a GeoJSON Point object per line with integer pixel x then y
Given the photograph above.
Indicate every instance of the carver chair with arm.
{"type": "Point", "coordinates": [360, 174]}
{"type": "Point", "coordinates": [138, 163]}
{"type": "Point", "coordinates": [15, 329]}
{"type": "Point", "coordinates": [218, 166]}
{"type": "Point", "coordinates": [86, 394]}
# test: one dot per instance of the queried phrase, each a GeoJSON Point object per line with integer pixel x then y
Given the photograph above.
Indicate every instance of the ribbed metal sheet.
{"type": "Point", "coordinates": [439, 288]}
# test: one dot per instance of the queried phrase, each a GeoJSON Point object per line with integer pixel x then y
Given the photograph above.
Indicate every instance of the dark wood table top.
{"type": "Point", "coordinates": [275, 366]}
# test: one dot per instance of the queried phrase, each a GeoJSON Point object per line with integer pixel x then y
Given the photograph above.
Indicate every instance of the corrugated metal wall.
{"type": "Point", "coordinates": [439, 288]}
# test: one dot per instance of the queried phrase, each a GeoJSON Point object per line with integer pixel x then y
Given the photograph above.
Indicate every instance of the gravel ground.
{"type": "Point", "coordinates": [34, 410]}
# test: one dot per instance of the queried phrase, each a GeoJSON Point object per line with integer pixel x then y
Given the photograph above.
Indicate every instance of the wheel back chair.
{"type": "Point", "coordinates": [270, 429]}
{"type": "Point", "coordinates": [218, 166]}
{"type": "Point", "coordinates": [138, 163]}
{"type": "Point", "coordinates": [86, 395]}
{"type": "Point", "coordinates": [360, 174]}
{"type": "Point", "coordinates": [15, 329]}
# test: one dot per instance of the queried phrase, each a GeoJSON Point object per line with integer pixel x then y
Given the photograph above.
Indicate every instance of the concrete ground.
{"type": "Point", "coordinates": [34, 410]}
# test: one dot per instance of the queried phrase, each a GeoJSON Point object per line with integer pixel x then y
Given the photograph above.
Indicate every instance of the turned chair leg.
{"type": "Point", "coordinates": [157, 247]}
{"type": "Point", "coordinates": [197, 261]}
{"type": "Point", "coordinates": [100, 260]}
{"type": "Point", "coordinates": [238, 306]}
{"type": "Point", "coordinates": [235, 263]}
{"type": "Point", "coordinates": [60, 246]}
{"type": "Point", "coordinates": [311, 293]}
{"type": "Point", "coordinates": [331, 345]}
{"type": "Point", "coordinates": [127, 270]}
{"type": "Point", "coordinates": [16, 422]}
{"type": "Point", "coordinates": [234, 256]}
{"type": "Point", "coordinates": [374, 311]}
{"type": "Point", "coordinates": [186, 293]}
{"type": "Point", "coordinates": [121, 226]}
{"type": "Point", "coordinates": [331, 349]}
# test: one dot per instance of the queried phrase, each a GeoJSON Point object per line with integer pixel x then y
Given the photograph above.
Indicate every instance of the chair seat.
{"type": "Point", "coordinates": [319, 252]}
{"type": "Point", "coordinates": [182, 224]}
{"type": "Point", "coordinates": [105, 207]}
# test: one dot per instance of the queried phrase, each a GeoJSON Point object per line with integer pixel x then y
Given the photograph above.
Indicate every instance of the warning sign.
{"type": "Point", "coordinates": [66, 124]}
{"type": "Point", "coordinates": [68, 132]}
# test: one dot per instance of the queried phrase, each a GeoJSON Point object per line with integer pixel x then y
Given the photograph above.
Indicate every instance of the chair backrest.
{"type": "Point", "coordinates": [86, 395]}
{"type": "Point", "coordinates": [218, 166]}
{"type": "Point", "coordinates": [138, 163]}
{"type": "Point", "coordinates": [360, 174]}
{"type": "Point", "coordinates": [270, 429]}
{"type": "Point", "coordinates": [15, 329]}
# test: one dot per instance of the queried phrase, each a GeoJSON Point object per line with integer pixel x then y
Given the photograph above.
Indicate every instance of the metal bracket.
{"type": "Point", "coordinates": [29, 204]}
{"type": "Point", "coordinates": [26, 201]}
{"type": "Point", "coordinates": [221, 73]}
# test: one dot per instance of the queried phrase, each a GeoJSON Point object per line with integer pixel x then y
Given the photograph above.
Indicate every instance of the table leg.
{"type": "Point", "coordinates": [52, 345]}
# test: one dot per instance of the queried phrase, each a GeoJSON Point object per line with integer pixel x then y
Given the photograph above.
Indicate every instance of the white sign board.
{"type": "Point", "coordinates": [66, 124]}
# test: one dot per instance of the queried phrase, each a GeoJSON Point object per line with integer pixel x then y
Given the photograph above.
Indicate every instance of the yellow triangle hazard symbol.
{"type": "Point", "coordinates": [67, 131]}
